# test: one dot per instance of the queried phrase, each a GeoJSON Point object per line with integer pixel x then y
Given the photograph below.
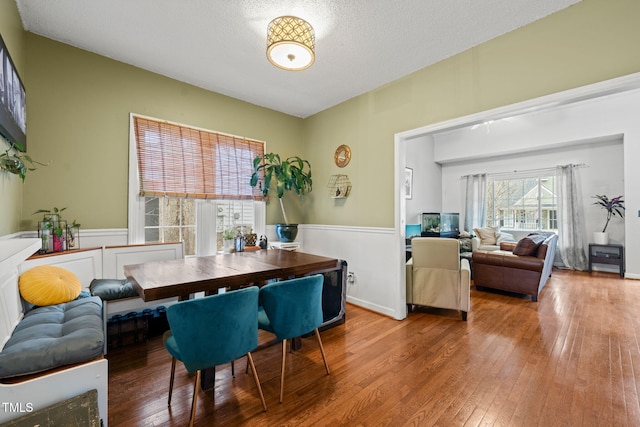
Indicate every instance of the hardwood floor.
{"type": "Point", "coordinates": [572, 359]}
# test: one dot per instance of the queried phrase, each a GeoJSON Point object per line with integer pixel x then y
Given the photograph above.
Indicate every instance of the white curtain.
{"type": "Point", "coordinates": [570, 219]}
{"type": "Point", "coordinates": [475, 206]}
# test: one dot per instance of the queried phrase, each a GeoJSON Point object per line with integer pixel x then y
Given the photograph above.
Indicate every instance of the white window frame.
{"type": "Point", "coordinates": [537, 174]}
{"type": "Point", "coordinates": [206, 210]}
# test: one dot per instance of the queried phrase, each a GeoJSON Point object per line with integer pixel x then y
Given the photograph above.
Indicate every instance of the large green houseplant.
{"type": "Point", "coordinates": [292, 173]}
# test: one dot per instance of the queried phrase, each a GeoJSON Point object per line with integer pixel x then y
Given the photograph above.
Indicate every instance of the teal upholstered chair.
{"type": "Point", "coordinates": [292, 308]}
{"type": "Point", "coordinates": [211, 331]}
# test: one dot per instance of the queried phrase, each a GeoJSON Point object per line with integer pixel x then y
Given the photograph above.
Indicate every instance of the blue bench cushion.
{"type": "Point", "coordinates": [110, 289]}
{"type": "Point", "coordinates": [53, 336]}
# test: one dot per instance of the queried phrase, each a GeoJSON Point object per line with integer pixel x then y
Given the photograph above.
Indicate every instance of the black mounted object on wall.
{"type": "Point", "coordinates": [13, 106]}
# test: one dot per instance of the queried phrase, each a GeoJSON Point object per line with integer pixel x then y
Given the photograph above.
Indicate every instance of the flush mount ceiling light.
{"type": "Point", "coordinates": [290, 43]}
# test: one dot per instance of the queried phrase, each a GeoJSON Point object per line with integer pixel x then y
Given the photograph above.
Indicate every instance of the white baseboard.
{"type": "Point", "coordinates": [373, 307]}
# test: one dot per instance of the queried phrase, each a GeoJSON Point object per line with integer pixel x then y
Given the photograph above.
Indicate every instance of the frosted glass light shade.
{"type": "Point", "coordinates": [290, 43]}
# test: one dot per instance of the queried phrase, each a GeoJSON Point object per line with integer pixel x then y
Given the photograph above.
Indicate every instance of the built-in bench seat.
{"type": "Point", "coordinates": [52, 353]}
{"type": "Point", "coordinates": [53, 336]}
{"type": "Point", "coordinates": [104, 268]}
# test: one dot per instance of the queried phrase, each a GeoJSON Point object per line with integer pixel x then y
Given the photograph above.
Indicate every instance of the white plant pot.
{"type": "Point", "coordinates": [600, 238]}
{"type": "Point", "coordinates": [227, 245]}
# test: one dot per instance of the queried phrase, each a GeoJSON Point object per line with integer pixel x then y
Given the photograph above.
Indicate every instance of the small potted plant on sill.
{"type": "Point", "coordinates": [228, 237]}
{"type": "Point", "coordinates": [290, 174]}
{"type": "Point", "coordinates": [53, 215]}
{"type": "Point", "coordinates": [18, 162]}
{"type": "Point", "coordinates": [614, 206]}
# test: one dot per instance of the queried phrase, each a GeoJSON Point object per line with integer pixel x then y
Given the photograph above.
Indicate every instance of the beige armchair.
{"type": "Point", "coordinates": [436, 276]}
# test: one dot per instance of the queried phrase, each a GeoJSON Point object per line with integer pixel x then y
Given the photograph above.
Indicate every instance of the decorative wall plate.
{"type": "Point", "coordinates": [342, 156]}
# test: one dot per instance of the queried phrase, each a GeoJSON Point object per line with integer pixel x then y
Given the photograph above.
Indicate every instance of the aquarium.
{"type": "Point", "coordinates": [412, 230]}
{"type": "Point", "coordinates": [440, 224]}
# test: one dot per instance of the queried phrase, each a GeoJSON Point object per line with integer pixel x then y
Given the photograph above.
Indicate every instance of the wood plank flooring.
{"type": "Point", "coordinates": [572, 359]}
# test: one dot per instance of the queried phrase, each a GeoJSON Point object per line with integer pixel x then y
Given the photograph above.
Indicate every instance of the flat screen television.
{"type": "Point", "coordinates": [13, 108]}
{"type": "Point", "coordinates": [440, 224]}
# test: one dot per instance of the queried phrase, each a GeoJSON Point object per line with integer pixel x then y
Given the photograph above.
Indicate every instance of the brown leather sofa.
{"type": "Point", "coordinates": [521, 267]}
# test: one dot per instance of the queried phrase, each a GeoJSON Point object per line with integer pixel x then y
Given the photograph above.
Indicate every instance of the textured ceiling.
{"type": "Point", "coordinates": [220, 45]}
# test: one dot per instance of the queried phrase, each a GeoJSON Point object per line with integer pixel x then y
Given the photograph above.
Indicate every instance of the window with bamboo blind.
{"type": "Point", "coordinates": [181, 161]}
{"type": "Point", "coordinates": [191, 185]}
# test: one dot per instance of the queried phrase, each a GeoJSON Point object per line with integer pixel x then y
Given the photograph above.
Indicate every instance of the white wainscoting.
{"type": "Point", "coordinates": [13, 251]}
{"type": "Point", "coordinates": [86, 265]}
{"type": "Point", "coordinates": [371, 254]}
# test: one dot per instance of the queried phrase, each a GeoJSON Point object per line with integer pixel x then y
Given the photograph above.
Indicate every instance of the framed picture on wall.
{"type": "Point", "coordinates": [13, 107]}
{"type": "Point", "coordinates": [408, 183]}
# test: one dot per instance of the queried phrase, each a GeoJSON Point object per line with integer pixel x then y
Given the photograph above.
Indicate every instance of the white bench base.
{"type": "Point", "coordinates": [45, 390]}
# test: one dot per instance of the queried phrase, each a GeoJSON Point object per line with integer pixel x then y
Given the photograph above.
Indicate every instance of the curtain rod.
{"type": "Point", "coordinates": [578, 165]}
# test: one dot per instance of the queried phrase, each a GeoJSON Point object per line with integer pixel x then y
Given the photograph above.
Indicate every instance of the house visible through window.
{"type": "Point", "coordinates": [522, 203]}
{"type": "Point", "coordinates": [191, 185]}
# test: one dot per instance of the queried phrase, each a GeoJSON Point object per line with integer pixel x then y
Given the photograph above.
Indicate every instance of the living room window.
{"type": "Point", "coordinates": [522, 203]}
{"type": "Point", "coordinates": [189, 184]}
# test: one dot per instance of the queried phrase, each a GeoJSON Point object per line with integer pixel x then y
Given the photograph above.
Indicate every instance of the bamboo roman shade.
{"type": "Point", "coordinates": [180, 161]}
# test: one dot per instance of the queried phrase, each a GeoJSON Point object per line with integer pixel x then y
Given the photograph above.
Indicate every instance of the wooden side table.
{"type": "Point", "coordinates": [606, 254]}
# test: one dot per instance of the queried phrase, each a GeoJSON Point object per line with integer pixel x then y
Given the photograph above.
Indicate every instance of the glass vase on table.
{"type": "Point", "coordinates": [73, 237]}
{"type": "Point", "coordinates": [44, 233]}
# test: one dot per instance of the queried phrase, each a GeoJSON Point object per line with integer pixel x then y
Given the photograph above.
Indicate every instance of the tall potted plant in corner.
{"type": "Point", "coordinates": [290, 174]}
{"type": "Point", "coordinates": [614, 206]}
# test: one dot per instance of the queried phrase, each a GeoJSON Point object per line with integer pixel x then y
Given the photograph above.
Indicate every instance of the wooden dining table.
{"type": "Point", "coordinates": [184, 277]}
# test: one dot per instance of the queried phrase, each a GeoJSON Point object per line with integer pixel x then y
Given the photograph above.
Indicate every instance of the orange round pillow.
{"type": "Point", "coordinates": [49, 285]}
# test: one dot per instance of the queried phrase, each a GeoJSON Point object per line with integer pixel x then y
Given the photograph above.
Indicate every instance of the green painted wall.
{"type": "Point", "coordinates": [10, 185]}
{"type": "Point", "coordinates": [79, 104]}
{"type": "Point", "coordinates": [589, 42]}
